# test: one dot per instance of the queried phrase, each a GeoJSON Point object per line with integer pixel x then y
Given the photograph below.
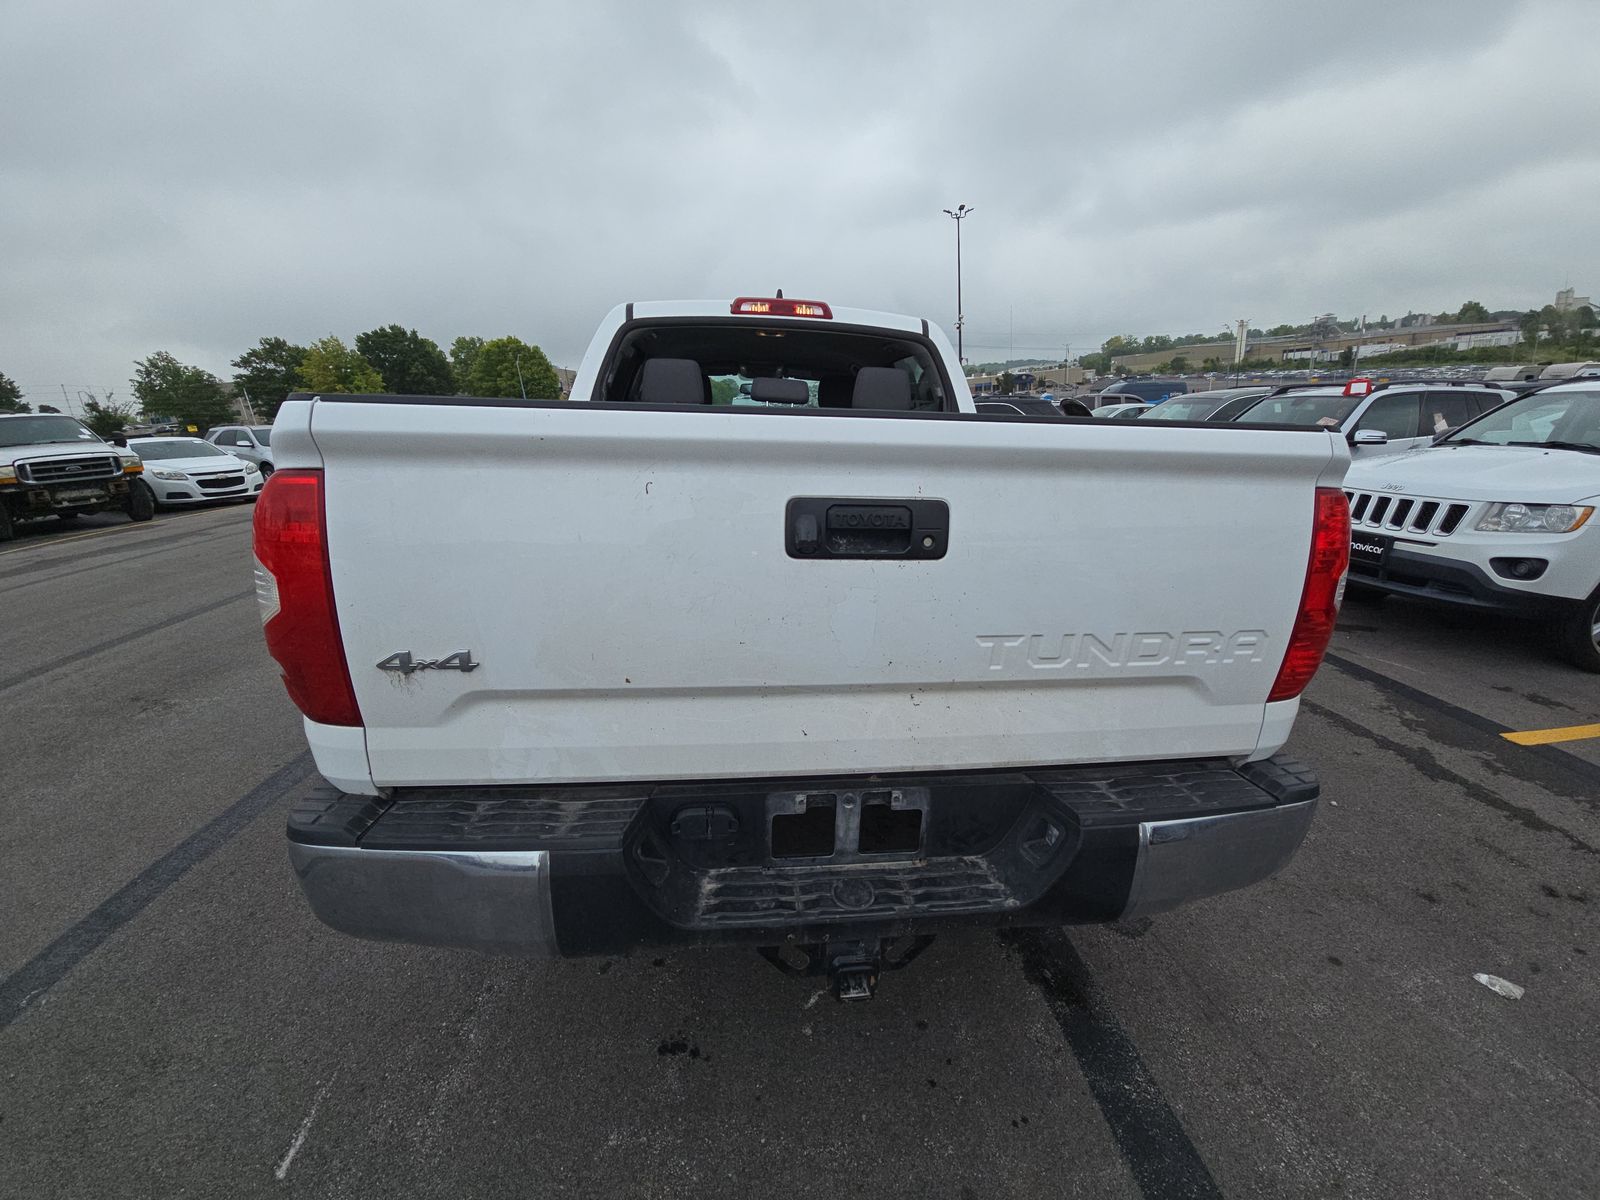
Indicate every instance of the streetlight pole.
{"type": "Point", "coordinates": [959, 214]}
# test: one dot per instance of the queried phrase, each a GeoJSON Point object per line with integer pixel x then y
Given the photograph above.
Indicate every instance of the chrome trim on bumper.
{"type": "Point", "coordinates": [496, 901]}
{"type": "Point", "coordinates": [1186, 860]}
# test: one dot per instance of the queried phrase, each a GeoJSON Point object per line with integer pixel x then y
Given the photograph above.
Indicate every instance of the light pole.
{"type": "Point", "coordinates": [960, 213]}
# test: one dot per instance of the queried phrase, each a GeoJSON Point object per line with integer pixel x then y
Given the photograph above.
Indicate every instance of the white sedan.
{"type": "Point", "coordinates": [189, 470]}
{"type": "Point", "coordinates": [1121, 412]}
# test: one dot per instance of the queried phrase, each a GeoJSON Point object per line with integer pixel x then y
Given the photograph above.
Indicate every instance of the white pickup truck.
{"type": "Point", "coordinates": [832, 664]}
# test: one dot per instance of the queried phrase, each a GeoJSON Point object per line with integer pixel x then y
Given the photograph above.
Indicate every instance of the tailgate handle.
{"type": "Point", "coordinates": [843, 527]}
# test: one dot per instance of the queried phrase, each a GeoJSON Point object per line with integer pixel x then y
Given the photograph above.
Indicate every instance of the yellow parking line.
{"type": "Point", "coordinates": [1543, 737]}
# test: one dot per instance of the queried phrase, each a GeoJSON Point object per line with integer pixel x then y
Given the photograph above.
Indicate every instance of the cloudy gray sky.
{"type": "Point", "coordinates": [193, 176]}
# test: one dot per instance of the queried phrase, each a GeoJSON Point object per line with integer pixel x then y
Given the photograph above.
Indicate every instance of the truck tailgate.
{"type": "Point", "coordinates": [621, 578]}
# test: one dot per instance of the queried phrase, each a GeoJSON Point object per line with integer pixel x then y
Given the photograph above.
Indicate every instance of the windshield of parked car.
{"type": "Point", "coordinates": [1300, 408]}
{"type": "Point", "coordinates": [43, 429]}
{"type": "Point", "coordinates": [163, 448]}
{"type": "Point", "coordinates": [263, 434]}
{"type": "Point", "coordinates": [1560, 420]}
{"type": "Point", "coordinates": [1197, 409]}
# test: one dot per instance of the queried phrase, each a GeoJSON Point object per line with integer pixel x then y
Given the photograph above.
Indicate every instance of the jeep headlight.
{"type": "Point", "coordinates": [251, 469]}
{"type": "Point", "coordinates": [1533, 518]}
{"type": "Point", "coordinates": [8, 474]}
{"type": "Point", "coordinates": [161, 473]}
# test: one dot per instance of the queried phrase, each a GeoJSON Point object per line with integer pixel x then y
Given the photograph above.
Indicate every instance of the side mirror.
{"type": "Point", "coordinates": [1369, 437]}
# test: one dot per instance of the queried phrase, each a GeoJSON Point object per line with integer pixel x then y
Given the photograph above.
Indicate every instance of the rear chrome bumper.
{"type": "Point", "coordinates": [592, 870]}
{"type": "Point", "coordinates": [1180, 861]}
{"type": "Point", "coordinates": [496, 901]}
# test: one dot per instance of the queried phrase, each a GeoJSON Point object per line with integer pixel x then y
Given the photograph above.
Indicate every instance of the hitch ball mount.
{"type": "Point", "coordinates": [852, 967]}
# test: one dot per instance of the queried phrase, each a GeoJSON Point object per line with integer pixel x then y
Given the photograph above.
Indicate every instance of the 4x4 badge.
{"type": "Point", "coordinates": [461, 660]}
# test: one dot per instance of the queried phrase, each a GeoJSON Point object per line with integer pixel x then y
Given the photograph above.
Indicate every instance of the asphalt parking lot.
{"type": "Point", "coordinates": [174, 1022]}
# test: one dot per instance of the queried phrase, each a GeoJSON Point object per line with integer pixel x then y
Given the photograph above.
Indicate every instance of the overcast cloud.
{"type": "Point", "coordinates": [194, 176]}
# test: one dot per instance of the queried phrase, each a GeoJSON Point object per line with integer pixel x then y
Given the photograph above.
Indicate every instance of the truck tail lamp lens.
{"type": "Point", "coordinates": [756, 306]}
{"type": "Point", "coordinates": [1319, 599]}
{"type": "Point", "coordinates": [295, 588]}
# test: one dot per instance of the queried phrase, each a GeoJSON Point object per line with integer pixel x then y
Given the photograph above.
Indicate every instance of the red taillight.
{"type": "Point", "coordinates": [755, 306]}
{"type": "Point", "coordinates": [1319, 600]}
{"type": "Point", "coordinates": [295, 588]}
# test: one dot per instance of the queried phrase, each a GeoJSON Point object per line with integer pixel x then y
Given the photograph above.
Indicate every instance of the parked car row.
{"type": "Point", "coordinates": [186, 470]}
{"type": "Point", "coordinates": [53, 465]}
{"type": "Point", "coordinates": [1496, 515]}
{"type": "Point", "coordinates": [1377, 419]}
{"type": "Point", "coordinates": [1460, 493]}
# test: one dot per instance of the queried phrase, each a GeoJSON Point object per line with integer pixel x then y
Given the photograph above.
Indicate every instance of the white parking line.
{"type": "Point", "coordinates": [282, 1168]}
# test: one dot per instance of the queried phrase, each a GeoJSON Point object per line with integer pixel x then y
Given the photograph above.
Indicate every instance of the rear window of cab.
{"type": "Point", "coordinates": [783, 365]}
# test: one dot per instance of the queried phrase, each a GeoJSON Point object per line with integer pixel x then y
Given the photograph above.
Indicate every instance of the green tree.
{"type": "Point", "coordinates": [1282, 330]}
{"type": "Point", "coordinates": [267, 373]}
{"type": "Point", "coordinates": [1005, 383]}
{"type": "Point", "coordinates": [48, 408]}
{"type": "Point", "coordinates": [1347, 357]}
{"type": "Point", "coordinates": [1529, 324]}
{"type": "Point", "coordinates": [166, 387]}
{"type": "Point", "coordinates": [1471, 313]}
{"type": "Point", "coordinates": [11, 396]}
{"type": "Point", "coordinates": [508, 366]}
{"type": "Point", "coordinates": [106, 418]}
{"type": "Point", "coordinates": [411, 365]}
{"type": "Point", "coordinates": [1555, 323]}
{"type": "Point", "coordinates": [331, 366]}
{"type": "Point", "coordinates": [463, 353]}
{"type": "Point", "coordinates": [1179, 364]}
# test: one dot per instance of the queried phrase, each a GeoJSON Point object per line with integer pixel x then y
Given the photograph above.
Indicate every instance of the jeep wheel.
{"type": "Point", "coordinates": [141, 501]}
{"type": "Point", "coordinates": [266, 470]}
{"type": "Point", "coordinates": [1580, 634]}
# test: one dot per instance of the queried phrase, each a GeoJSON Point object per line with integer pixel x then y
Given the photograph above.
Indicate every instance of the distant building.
{"type": "Point", "coordinates": [1410, 333]}
{"type": "Point", "coordinates": [1567, 301]}
{"type": "Point", "coordinates": [1032, 379]}
{"type": "Point", "coordinates": [1499, 337]}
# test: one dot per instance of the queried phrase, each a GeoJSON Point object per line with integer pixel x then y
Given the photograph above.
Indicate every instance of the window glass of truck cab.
{"type": "Point", "coordinates": [793, 365]}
